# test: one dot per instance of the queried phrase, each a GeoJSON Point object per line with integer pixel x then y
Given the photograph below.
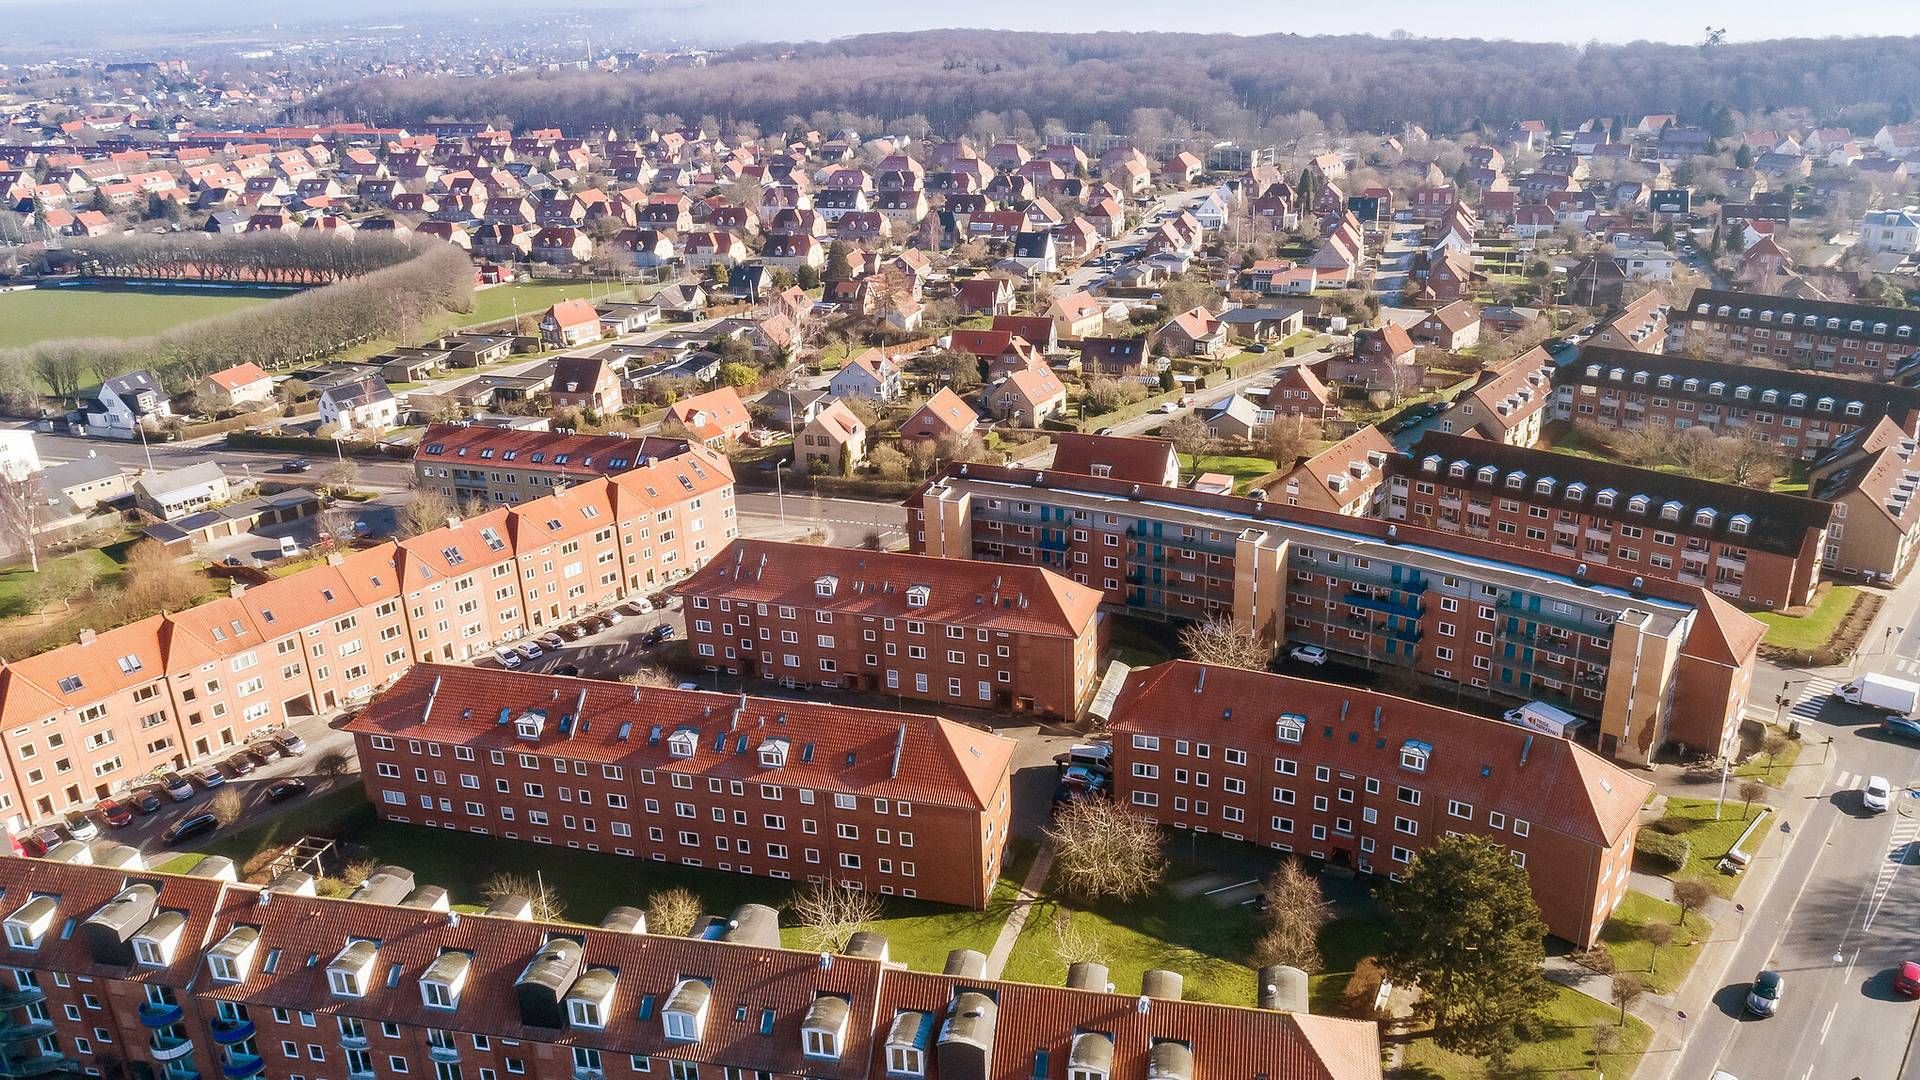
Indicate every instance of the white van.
{"type": "Point", "coordinates": [289, 546]}
{"type": "Point", "coordinates": [1540, 716]}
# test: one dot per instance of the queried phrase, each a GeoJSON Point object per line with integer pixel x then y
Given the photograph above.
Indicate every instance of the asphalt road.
{"type": "Point", "coordinates": [1840, 917]}
{"type": "Point", "coordinates": [845, 521]}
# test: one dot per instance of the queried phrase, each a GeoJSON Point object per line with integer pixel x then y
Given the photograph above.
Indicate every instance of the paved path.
{"type": "Point", "coordinates": [1017, 918]}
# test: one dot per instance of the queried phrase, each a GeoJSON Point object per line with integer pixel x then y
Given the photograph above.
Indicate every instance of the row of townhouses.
{"type": "Point", "coordinates": [80, 722]}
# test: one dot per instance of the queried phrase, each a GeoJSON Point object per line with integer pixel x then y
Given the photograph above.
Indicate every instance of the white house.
{"type": "Point", "coordinates": [1644, 261]}
{"type": "Point", "coordinates": [19, 458]}
{"type": "Point", "coordinates": [178, 492]}
{"type": "Point", "coordinates": [363, 404]}
{"type": "Point", "coordinates": [1211, 211]}
{"type": "Point", "coordinates": [1894, 231]}
{"type": "Point", "coordinates": [871, 375]}
{"type": "Point", "coordinates": [116, 406]}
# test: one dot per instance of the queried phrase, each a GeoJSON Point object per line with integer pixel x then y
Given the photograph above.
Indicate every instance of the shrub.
{"type": "Point", "coordinates": [1662, 850]}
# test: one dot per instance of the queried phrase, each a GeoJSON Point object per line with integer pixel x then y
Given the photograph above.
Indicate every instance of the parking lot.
{"type": "Point", "coordinates": [610, 645]}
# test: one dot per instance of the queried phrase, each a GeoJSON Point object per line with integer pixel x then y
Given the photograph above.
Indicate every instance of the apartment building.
{"type": "Point", "coordinates": [1850, 339]}
{"type": "Point", "coordinates": [1365, 780]}
{"type": "Point", "coordinates": [1507, 405]}
{"type": "Point", "coordinates": [1342, 478]}
{"type": "Point", "coordinates": [471, 463]}
{"type": "Point", "coordinates": [177, 976]}
{"type": "Point", "coordinates": [83, 721]}
{"type": "Point", "coordinates": [1802, 412]}
{"type": "Point", "coordinates": [774, 787]}
{"type": "Point", "coordinates": [1870, 477]}
{"type": "Point", "coordinates": [958, 633]}
{"type": "Point", "coordinates": [1752, 547]}
{"type": "Point", "coordinates": [1650, 661]}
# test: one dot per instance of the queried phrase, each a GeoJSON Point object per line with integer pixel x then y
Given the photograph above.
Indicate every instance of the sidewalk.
{"type": "Point", "coordinates": [1017, 918]}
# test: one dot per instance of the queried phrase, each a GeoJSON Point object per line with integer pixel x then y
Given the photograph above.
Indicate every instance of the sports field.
{"type": "Point", "coordinates": [43, 314]}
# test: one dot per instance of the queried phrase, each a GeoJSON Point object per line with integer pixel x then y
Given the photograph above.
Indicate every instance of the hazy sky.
{"type": "Point", "coordinates": [729, 21]}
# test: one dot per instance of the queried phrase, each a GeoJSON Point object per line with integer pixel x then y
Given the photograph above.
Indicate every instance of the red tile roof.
{"type": "Point", "coordinates": [831, 747]}
{"type": "Point", "coordinates": [943, 414]}
{"type": "Point", "coordinates": [541, 451]}
{"type": "Point", "coordinates": [1141, 458]}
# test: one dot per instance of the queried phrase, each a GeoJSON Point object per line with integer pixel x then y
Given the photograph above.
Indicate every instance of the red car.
{"type": "Point", "coordinates": [1907, 979]}
{"type": "Point", "coordinates": [115, 812]}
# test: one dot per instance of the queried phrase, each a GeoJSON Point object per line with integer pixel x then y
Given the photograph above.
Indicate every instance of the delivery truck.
{"type": "Point", "coordinates": [1540, 716]}
{"type": "Point", "coordinates": [1882, 692]}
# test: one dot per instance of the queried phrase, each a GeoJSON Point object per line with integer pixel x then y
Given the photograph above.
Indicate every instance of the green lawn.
{"type": "Point", "coordinates": [44, 314]}
{"type": "Point", "coordinates": [15, 580]}
{"type": "Point", "coordinates": [1243, 469]}
{"type": "Point", "coordinates": [1344, 942]}
{"type": "Point", "coordinates": [1624, 937]}
{"type": "Point", "coordinates": [1563, 1047]}
{"type": "Point", "coordinates": [1210, 946]}
{"type": "Point", "coordinates": [1710, 839]}
{"type": "Point", "coordinates": [919, 934]}
{"type": "Point", "coordinates": [503, 301]}
{"type": "Point", "coordinates": [1812, 631]}
{"type": "Point", "coordinates": [1756, 767]}
{"type": "Point", "coordinates": [1139, 642]}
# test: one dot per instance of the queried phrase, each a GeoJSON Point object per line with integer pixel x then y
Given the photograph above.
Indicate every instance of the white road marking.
{"type": "Point", "coordinates": [1828, 1025]}
{"type": "Point", "coordinates": [1905, 832]}
{"type": "Point", "coordinates": [1848, 974]}
{"type": "Point", "coordinates": [1813, 694]}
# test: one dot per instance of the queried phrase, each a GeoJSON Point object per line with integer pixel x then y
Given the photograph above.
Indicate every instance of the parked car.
{"type": "Point", "coordinates": [41, 840]}
{"type": "Point", "coordinates": [147, 801]}
{"type": "Point", "coordinates": [594, 624]}
{"type": "Point", "coordinates": [641, 606]}
{"type": "Point", "coordinates": [239, 764]}
{"type": "Point", "coordinates": [1905, 727]}
{"type": "Point", "coordinates": [176, 787]}
{"type": "Point", "coordinates": [289, 744]}
{"type": "Point", "coordinates": [551, 641]}
{"type": "Point", "coordinates": [298, 464]}
{"type": "Point", "coordinates": [190, 826]}
{"type": "Point", "coordinates": [530, 651]}
{"type": "Point", "coordinates": [1308, 654]}
{"type": "Point", "coordinates": [81, 827]}
{"type": "Point", "coordinates": [290, 788]}
{"type": "Point", "coordinates": [689, 686]}
{"type": "Point", "coordinates": [565, 669]}
{"type": "Point", "coordinates": [612, 616]}
{"type": "Point", "coordinates": [573, 631]}
{"type": "Point", "coordinates": [507, 657]}
{"type": "Point", "coordinates": [1876, 794]}
{"type": "Point", "coordinates": [1256, 347]}
{"type": "Point", "coordinates": [115, 812]}
{"type": "Point", "coordinates": [207, 776]}
{"type": "Point", "coordinates": [261, 753]}
{"type": "Point", "coordinates": [1906, 980]}
{"type": "Point", "coordinates": [1764, 997]}
{"type": "Point", "coordinates": [1087, 778]}
{"type": "Point", "coordinates": [657, 635]}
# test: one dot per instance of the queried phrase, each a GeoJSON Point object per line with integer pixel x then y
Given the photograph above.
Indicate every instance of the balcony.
{"type": "Point", "coordinates": [13, 999]}
{"type": "Point", "coordinates": [581, 1072]}
{"type": "Point", "coordinates": [1573, 621]}
{"type": "Point", "coordinates": [242, 1066]}
{"type": "Point", "coordinates": [1411, 609]}
{"type": "Point", "coordinates": [36, 1065]}
{"type": "Point", "coordinates": [444, 1053]}
{"type": "Point", "coordinates": [232, 1031]}
{"type": "Point", "coordinates": [159, 1015]}
{"type": "Point", "coordinates": [12, 1032]}
{"type": "Point", "coordinates": [181, 1071]}
{"type": "Point", "coordinates": [170, 1047]}
{"type": "Point", "coordinates": [353, 1042]}
{"type": "Point", "coordinates": [368, 1075]}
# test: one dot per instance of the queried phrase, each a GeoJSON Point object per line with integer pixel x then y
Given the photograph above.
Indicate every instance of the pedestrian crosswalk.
{"type": "Point", "coordinates": [1907, 665]}
{"type": "Point", "coordinates": [1906, 831]}
{"type": "Point", "coordinates": [1811, 695]}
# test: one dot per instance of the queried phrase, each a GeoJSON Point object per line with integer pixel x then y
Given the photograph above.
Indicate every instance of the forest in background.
{"type": "Point", "coordinates": [1176, 85]}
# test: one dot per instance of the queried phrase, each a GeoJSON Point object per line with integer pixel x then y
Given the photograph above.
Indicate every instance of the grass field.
{"type": "Point", "coordinates": [1710, 840]}
{"type": "Point", "coordinates": [589, 883]}
{"type": "Point", "coordinates": [502, 301]}
{"type": "Point", "coordinates": [1625, 938]}
{"type": "Point", "coordinates": [15, 579]}
{"type": "Point", "coordinates": [44, 314]}
{"type": "Point", "coordinates": [1244, 470]}
{"type": "Point", "coordinates": [1812, 631]}
{"type": "Point", "coordinates": [1563, 1046]}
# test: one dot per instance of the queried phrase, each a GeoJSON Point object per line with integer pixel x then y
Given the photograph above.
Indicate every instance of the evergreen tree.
{"type": "Point", "coordinates": [1743, 157]}
{"type": "Point", "coordinates": [839, 263]}
{"type": "Point", "coordinates": [1462, 925]}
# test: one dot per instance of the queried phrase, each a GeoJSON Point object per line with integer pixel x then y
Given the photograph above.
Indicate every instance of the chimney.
{"type": "Point", "coordinates": [334, 558]}
{"type": "Point", "coordinates": [87, 635]}
{"type": "Point", "coordinates": [234, 589]}
{"type": "Point", "coordinates": [453, 521]}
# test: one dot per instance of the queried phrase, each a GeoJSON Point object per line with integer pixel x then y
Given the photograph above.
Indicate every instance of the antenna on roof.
{"type": "Point", "coordinates": [431, 694]}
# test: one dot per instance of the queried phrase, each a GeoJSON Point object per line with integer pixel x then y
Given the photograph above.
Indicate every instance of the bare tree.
{"type": "Point", "coordinates": [647, 676]}
{"type": "Point", "coordinates": [1690, 894]}
{"type": "Point", "coordinates": [1106, 850]}
{"type": "Point", "coordinates": [20, 502]}
{"type": "Point", "coordinates": [1191, 437]}
{"type": "Point", "coordinates": [1627, 988]}
{"type": "Point", "coordinates": [547, 904]}
{"type": "Point", "coordinates": [157, 581]}
{"type": "Point", "coordinates": [426, 510]}
{"type": "Point", "coordinates": [1773, 745]}
{"type": "Point", "coordinates": [343, 475]}
{"type": "Point", "coordinates": [1657, 936]}
{"type": "Point", "coordinates": [1074, 943]}
{"type": "Point", "coordinates": [1290, 438]}
{"type": "Point", "coordinates": [1296, 912]}
{"type": "Point", "coordinates": [673, 912]}
{"type": "Point", "coordinates": [1752, 791]}
{"type": "Point", "coordinates": [1218, 640]}
{"type": "Point", "coordinates": [227, 807]}
{"type": "Point", "coordinates": [831, 912]}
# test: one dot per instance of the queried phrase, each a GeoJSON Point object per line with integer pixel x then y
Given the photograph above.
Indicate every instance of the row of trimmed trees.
{"type": "Point", "coordinates": [264, 257]}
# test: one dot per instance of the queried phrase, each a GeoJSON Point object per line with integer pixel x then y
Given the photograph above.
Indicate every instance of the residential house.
{"type": "Point", "coordinates": [585, 384]}
{"type": "Point", "coordinates": [1197, 332]}
{"type": "Point", "coordinates": [872, 375]}
{"type": "Point", "coordinates": [118, 406]}
{"type": "Point", "coordinates": [362, 404]}
{"type": "Point", "coordinates": [715, 417]}
{"type": "Point", "coordinates": [176, 493]}
{"type": "Point", "coordinates": [569, 323]}
{"type": "Point", "coordinates": [1027, 398]}
{"type": "Point", "coordinates": [943, 416]}
{"type": "Point", "coordinates": [1075, 315]}
{"type": "Point", "coordinates": [834, 442]}
{"type": "Point", "coordinates": [1452, 327]}
{"type": "Point", "coordinates": [236, 387]}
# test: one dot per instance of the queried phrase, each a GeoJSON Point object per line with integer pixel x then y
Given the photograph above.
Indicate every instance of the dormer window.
{"type": "Point", "coordinates": [1576, 491]}
{"type": "Point", "coordinates": [1290, 727]}
{"type": "Point", "coordinates": [918, 595]}
{"type": "Point", "coordinates": [590, 998]}
{"type": "Point", "coordinates": [684, 1015]}
{"type": "Point", "coordinates": [823, 1031]}
{"type": "Point", "coordinates": [231, 958]}
{"type": "Point", "coordinates": [531, 724]}
{"type": "Point", "coordinates": [1090, 1056]}
{"type": "Point", "coordinates": [1414, 754]}
{"type": "Point", "coordinates": [155, 944]}
{"type": "Point", "coordinates": [1797, 401]}
{"type": "Point", "coordinates": [1604, 498]}
{"type": "Point", "coordinates": [773, 754]}
{"type": "Point", "coordinates": [682, 743]}
{"type": "Point", "coordinates": [27, 926]}
{"type": "Point", "coordinates": [1704, 518]}
{"type": "Point", "coordinates": [347, 973]}
{"type": "Point", "coordinates": [441, 983]}
{"type": "Point", "coordinates": [1770, 397]}
{"type": "Point", "coordinates": [907, 1042]}
{"type": "Point", "coordinates": [1855, 408]}
{"type": "Point", "coordinates": [1638, 504]}
{"type": "Point", "coordinates": [1639, 378]}
{"type": "Point", "coordinates": [1670, 511]}
{"type": "Point", "coordinates": [583, 1014]}
{"type": "Point", "coordinates": [1458, 470]}
{"type": "Point", "coordinates": [1487, 474]}
{"type": "Point", "coordinates": [1691, 386]}
{"type": "Point", "coordinates": [1742, 393]}
{"type": "Point", "coordinates": [825, 584]}
{"type": "Point", "coordinates": [1740, 524]}
{"type": "Point", "coordinates": [1543, 486]}
{"type": "Point", "coordinates": [1516, 480]}
{"type": "Point", "coordinates": [1665, 383]}
{"type": "Point", "coordinates": [1825, 405]}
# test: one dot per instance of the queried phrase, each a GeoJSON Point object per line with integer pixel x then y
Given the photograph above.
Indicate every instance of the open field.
{"type": "Point", "coordinates": [44, 314]}
{"type": "Point", "coordinates": [1813, 630]}
{"type": "Point", "coordinates": [504, 301]}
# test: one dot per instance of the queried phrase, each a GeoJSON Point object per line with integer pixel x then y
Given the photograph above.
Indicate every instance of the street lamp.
{"type": "Point", "coordinates": [780, 491]}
